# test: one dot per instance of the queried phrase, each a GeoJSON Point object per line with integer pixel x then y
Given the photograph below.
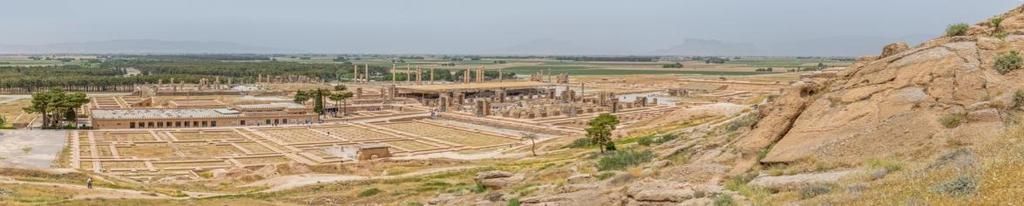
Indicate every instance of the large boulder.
{"type": "Point", "coordinates": [893, 49]}
{"type": "Point", "coordinates": [497, 179]}
{"type": "Point", "coordinates": [792, 182]}
{"type": "Point", "coordinates": [659, 192]}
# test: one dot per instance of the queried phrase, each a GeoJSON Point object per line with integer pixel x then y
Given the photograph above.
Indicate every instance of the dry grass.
{"type": "Point", "coordinates": [992, 176]}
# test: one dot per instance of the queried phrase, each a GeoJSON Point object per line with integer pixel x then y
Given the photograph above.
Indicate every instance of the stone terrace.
{"type": "Point", "coordinates": [150, 154]}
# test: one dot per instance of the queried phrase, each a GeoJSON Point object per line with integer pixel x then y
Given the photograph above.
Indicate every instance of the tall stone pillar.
{"type": "Point", "coordinates": [366, 72]}
{"type": "Point", "coordinates": [393, 74]}
{"type": "Point", "coordinates": [615, 106]}
{"type": "Point", "coordinates": [355, 72]}
{"type": "Point", "coordinates": [419, 76]}
{"type": "Point", "coordinates": [501, 95]}
{"type": "Point", "coordinates": [431, 75]}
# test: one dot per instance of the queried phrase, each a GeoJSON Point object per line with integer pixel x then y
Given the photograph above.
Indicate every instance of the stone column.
{"type": "Point", "coordinates": [499, 74]}
{"type": "Point", "coordinates": [393, 74]}
{"type": "Point", "coordinates": [419, 76]}
{"type": "Point", "coordinates": [366, 72]}
{"type": "Point", "coordinates": [431, 75]}
{"type": "Point", "coordinates": [355, 72]}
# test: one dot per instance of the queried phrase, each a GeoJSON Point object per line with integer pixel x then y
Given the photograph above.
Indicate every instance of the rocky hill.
{"type": "Point", "coordinates": [906, 102]}
{"type": "Point", "coordinates": [935, 123]}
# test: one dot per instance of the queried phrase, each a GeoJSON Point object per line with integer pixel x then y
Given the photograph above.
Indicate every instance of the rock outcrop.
{"type": "Point", "coordinates": [890, 105]}
{"type": "Point", "coordinates": [497, 179]}
{"type": "Point", "coordinates": [893, 49]}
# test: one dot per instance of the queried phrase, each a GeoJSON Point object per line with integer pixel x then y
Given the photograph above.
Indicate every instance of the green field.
{"type": "Point", "coordinates": [786, 62]}
{"type": "Point", "coordinates": [583, 70]}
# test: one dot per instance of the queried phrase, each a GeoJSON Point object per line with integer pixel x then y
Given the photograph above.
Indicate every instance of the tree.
{"type": "Point", "coordinates": [957, 30]}
{"type": "Point", "coordinates": [40, 104]}
{"type": "Point", "coordinates": [533, 142]}
{"type": "Point", "coordinates": [340, 94]}
{"type": "Point", "coordinates": [316, 95]}
{"type": "Point", "coordinates": [301, 97]}
{"type": "Point", "coordinates": [56, 106]}
{"type": "Point", "coordinates": [599, 130]}
{"type": "Point", "coordinates": [71, 102]}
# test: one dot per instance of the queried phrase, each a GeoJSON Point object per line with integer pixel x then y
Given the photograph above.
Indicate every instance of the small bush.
{"type": "Point", "coordinates": [952, 120]}
{"type": "Point", "coordinates": [890, 165]}
{"type": "Point", "coordinates": [646, 140]}
{"type": "Point", "coordinates": [618, 160]}
{"type": "Point", "coordinates": [745, 121]}
{"type": "Point", "coordinates": [605, 175]}
{"type": "Point", "coordinates": [656, 139]}
{"type": "Point", "coordinates": [961, 186]}
{"type": "Point", "coordinates": [580, 143]}
{"type": "Point", "coordinates": [478, 188]}
{"type": "Point", "coordinates": [997, 25]}
{"type": "Point", "coordinates": [1008, 62]}
{"type": "Point", "coordinates": [957, 29]}
{"type": "Point", "coordinates": [369, 192]}
{"type": "Point", "coordinates": [1018, 99]}
{"type": "Point", "coordinates": [724, 200]}
{"type": "Point", "coordinates": [736, 183]}
{"type": "Point", "coordinates": [762, 153]}
{"type": "Point", "coordinates": [757, 195]}
{"type": "Point", "coordinates": [813, 191]}
{"type": "Point", "coordinates": [514, 202]}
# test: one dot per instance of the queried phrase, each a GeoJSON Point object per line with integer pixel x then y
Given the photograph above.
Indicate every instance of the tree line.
{"type": "Point", "coordinates": [58, 108]}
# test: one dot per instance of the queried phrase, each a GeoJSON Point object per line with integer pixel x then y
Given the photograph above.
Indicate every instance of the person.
{"type": "Point", "coordinates": [88, 183]}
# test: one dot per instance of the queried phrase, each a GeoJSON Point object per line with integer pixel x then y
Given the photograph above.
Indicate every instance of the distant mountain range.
{"type": "Point", "coordinates": [832, 46]}
{"type": "Point", "coordinates": [134, 46]}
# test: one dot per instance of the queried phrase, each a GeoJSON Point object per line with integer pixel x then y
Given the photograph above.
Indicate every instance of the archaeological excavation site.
{"type": "Point", "coordinates": [694, 103]}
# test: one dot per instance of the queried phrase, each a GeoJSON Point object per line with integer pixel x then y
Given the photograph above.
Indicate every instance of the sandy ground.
{"type": "Point", "coordinates": [295, 181]}
{"type": "Point", "coordinates": [30, 148]}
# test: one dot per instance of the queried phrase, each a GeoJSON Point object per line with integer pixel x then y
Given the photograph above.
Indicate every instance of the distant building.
{"type": "Point", "coordinates": [373, 151]}
{"type": "Point", "coordinates": [237, 115]}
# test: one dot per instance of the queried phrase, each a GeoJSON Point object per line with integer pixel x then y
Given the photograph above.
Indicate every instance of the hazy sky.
{"type": "Point", "coordinates": [485, 26]}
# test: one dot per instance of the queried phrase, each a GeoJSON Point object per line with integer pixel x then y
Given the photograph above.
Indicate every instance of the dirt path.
{"type": "Point", "coordinates": [95, 193]}
{"type": "Point", "coordinates": [295, 181]}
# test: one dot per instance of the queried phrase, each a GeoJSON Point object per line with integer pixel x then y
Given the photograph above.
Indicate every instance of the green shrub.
{"type": "Point", "coordinates": [1007, 62]}
{"type": "Point", "coordinates": [957, 29]}
{"type": "Point", "coordinates": [997, 25]}
{"type": "Point", "coordinates": [617, 160]}
{"type": "Point", "coordinates": [369, 192]}
{"type": "Point", "coordinates": [656, 139]}
{"type": "Point", "coordinates": [514, 202]}
{"type": "Point", "coordinates": [724, 200]}
{"type": "Point", "coordinates": [478, 188]}
{"type": "Point", "coordinates": [960, 186]}
{"type": "Point", "coordinates": [952, 120]}
{"type": "Point", "coordinates": [813, 191]}
{"type": "Point", "coordinates": [745, 121]}
{"type": "Point", "coordinates": [757, 195]}
{"type": "Point", "coordinates": [580, 143]}
{"type": "Point", "coordinates": [646, 140]}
